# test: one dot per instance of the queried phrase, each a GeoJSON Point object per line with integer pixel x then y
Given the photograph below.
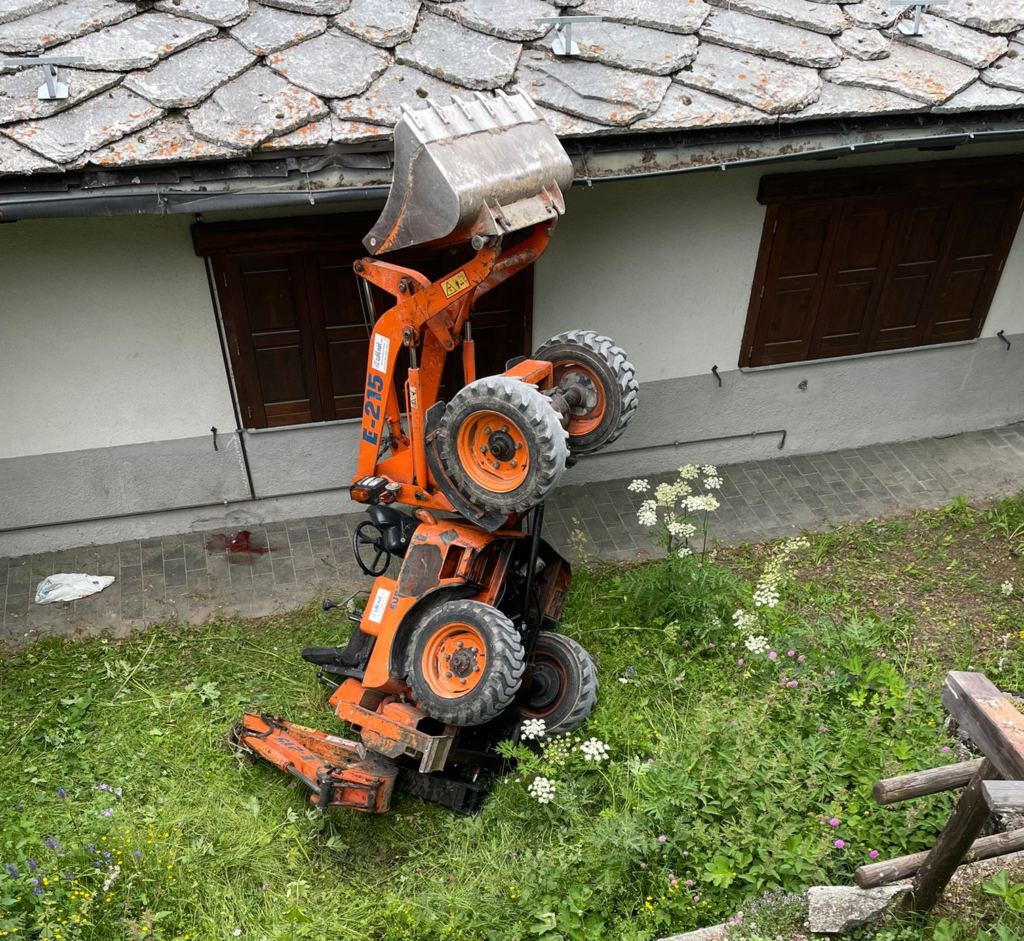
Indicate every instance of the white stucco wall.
{"type": "Point", "coordinates": [107, 336]}
{"type": "Point", "coordinates": [665, 266]}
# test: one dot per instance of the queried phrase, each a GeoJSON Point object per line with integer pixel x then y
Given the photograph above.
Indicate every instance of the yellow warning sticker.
{"type": "Point", "coordinates": [457, 282]}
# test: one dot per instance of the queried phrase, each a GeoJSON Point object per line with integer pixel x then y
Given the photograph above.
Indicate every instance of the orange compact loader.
{"type": "Point", "coordinates": [452, 655]}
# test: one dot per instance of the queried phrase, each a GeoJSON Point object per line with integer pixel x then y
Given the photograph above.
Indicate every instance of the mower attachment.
{"type": "Point", "coordinates": [338, 771]}
{"type": "Point", "coordinates": [478, 167]}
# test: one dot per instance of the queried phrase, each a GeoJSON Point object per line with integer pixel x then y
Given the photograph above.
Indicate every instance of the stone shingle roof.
{"type": "Point", "coordinates": [174, 81]}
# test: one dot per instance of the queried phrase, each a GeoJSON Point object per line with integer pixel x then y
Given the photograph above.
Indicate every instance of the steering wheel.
{"type": "Point", "coordinates": [369, 534]}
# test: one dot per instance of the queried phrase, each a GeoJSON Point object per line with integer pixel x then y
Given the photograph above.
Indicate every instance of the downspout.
{"type": "Point", "coordinates": [218, 317]}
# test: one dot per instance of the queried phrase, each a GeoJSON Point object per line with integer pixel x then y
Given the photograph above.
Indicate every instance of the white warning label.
{"type": "Point", "coordinates": [380, 602]}
{"type": "Point", "coordinates": [381, 346]}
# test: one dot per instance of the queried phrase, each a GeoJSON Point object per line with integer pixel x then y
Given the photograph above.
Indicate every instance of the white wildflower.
{"type": "Point", "coordinates": [648, 513]}
{"type": "Point", "coordinates": [693, 504]}
{"type": "Point", "coordinates": [237, 932]}
{"type": "Point", "coordinates": [712, 483]}
{"type": "Point", "coordinates": [680, 529]}
{"type": "Point", "coordinates": [665, 495]}
{"type": "Point", "coordinates": [533, 728]}
{"type": "Point", "coordinates": [639, 485]}
{"type": "Point", "coordinates": [684, 551]}
{"type": "Point", "coordinates": [709, 502]}
{"type": "Point", "coordinates": [111, 877]}
{"type": "Point", "coordinates": [756, 644]}
{"type": "Point", "coordinates": [766, 596]}
{"type": "Point", "coordinates": [689, 471]}
{"type": "Point", "coordinates": [744, 621]}
{"type": "Point", "coordinates": [1006, 588]}
{"type": "Point", "coordinates": [542, 790]}
{"type": "Point", "coordinates": [710, 470]}
{"type": "Point", "coordinates": [594, 750]}
{"type": "Point", "coordinates": [623, 679]}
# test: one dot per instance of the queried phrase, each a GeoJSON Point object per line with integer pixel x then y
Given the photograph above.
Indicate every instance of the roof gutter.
{"type": "Point", "coordinates": [597, 160]}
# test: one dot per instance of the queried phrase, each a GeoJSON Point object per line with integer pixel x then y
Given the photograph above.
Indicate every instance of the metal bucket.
{"type": "Point", "coordinates": [483, 166]}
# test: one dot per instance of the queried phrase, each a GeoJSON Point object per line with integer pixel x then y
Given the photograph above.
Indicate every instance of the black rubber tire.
{"type": "Point", "coordinates": [533, 414]}
{"type": "Point", "coordinates": [618, 377]}
{"type": "Point", "coordinates": [502, 673]}
{"type": "Point", "coordinates": [572, 707]}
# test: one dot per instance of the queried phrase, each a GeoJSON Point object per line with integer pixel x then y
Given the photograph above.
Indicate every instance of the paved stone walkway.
{"type": "Point", "coordinates": [193, 576]}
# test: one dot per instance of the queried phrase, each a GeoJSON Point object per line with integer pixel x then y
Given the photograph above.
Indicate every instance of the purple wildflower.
{"type": "Point", "coordinates": [117, 791]}
{"type": "Point", "coordinates": [52, 844]}
{"type": "Point", "coordinates": [662, 838]}
{"type": "Point", "coordinates": [739, 662]}
{"type": "Point", "coordinates": [12, 872]}
{"type": "Point", "coordinates": [62, 794]}
{"type": "Point", "coordinates": [834, 822]}
{"type": "Point", "coordinates": [772, 655]}
{"type": "Point", "coordinates": [108, 812]}
{"type": "Point", "coordinates": [792, 683]}
{"type": "Point", "coordinates": [37, 891]}
{"type": "Point", "coordinates": [873, 854]}
{"type": "Point", "coordinates": [630, 671]}
{"type": "Point", "coordinates": [945, 749]}
{"type": "Point", "coordinates": [32, 865]}
{"type": "Point", "coordinates": [138, 855]}
{"type": "Point", "coordinates": [839, 844]}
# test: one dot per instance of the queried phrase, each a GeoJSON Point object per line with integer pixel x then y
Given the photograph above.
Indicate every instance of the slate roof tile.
{"type": "Point", "coordinates": [507, 19]}
{"type": "Point", "coordinates": [269, 30]}
{"type": "Point", "coordinates": [651, 66]}
{"type": "Point", "coordinates": [186, 80]}
{"type": "Point", "coordinates": [684, 16]}
{"type": "Point", "coordinates": [768, 38]}
{"type": "Point", "coordinates": [444, 48]}
{"type": "Point", "coordinates": [766, 84]}
{"type": "Point", "coordinates": [637, 48]}
{"type": "Point", "coordinates": [850, 101]}
{"type": "Point", "coordinates": [32, 34]}
{"type": "Point", "coordinates": [821, 17]}
{"type": "Point", "coordinates": [97, 121]}
{"type": "Point", "coordinates": [15, 159]}
{"type": "Point", "coordinates": [256, 106]}
{"type": "Point", "coordinates": [216, 12]}
{"type": "Point", "coordinates": [960, 43]}
{"type": "Point", "coordinates": [1007, 72]}
{"type": "Point", "coordinates": [169, 140]}
{"type": "Point", "coordinates": [137, 43]}
{"type": "Point", "coordinates": [381, 22]}
{"type": "Point", "coordinates": [382, 102]}
{"type": "Point", "coordinates": [589, 90]}
{"type": "Point", "coordinates": [689, 107]}
{"type": "Point", "coordinates": [19, 99]}
{"type": "Point", "coordinates": [313, 64]}
{"type": "Point", "coordinates": [981, 97]}
{"type": "Point", "coordinates": [906, 71]}
{"type": "Point", "coordinates": [864, 43]}
{"type": "Point", "coordinates": [992, 16]}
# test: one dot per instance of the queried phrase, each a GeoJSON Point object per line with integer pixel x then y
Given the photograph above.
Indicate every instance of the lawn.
{"type": "Point", "coordinates": [732, 770]}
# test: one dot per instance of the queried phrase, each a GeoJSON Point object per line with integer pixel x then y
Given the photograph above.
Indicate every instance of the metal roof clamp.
{"type": "Point", "coordinates": [914, 29]}
{"type": "Point", "coordinates": [51, 89]}
{"type": "Point", "coordinates": [563, 44]}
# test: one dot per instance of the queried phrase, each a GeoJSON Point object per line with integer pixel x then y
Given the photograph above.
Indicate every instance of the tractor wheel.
{"type": "Point", "coordinates": [502, 444]}
{"type": "Point", "coordinates": [465, 663]}
{"type": "Point", "coordinates": [563, 685]}
{"type": "Point", "coordinates": [584, 360]}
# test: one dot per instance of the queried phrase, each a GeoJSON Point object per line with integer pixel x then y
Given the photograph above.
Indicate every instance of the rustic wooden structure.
{"type": "Point", "coordinates": [993, 784]}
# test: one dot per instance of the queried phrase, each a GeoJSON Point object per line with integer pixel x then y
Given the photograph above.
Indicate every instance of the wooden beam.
{"type": "Point", "coordinates": [1004, 797]}
{"type": "Point", "coordinates": [919, 783]}
{"type": "Point", "coordinates": [903, 867]}
{"type": "Point", "coordinates": [954, 841]}
{"type": "Point", "coordinates": [990, 719]}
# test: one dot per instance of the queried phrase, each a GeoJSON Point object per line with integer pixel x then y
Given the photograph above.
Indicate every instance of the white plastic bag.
{"type": "Point", "coordinates": [70, 587]}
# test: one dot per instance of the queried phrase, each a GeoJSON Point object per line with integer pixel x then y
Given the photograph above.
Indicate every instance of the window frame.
{"type": "Point", "coordinates": [892, 182]}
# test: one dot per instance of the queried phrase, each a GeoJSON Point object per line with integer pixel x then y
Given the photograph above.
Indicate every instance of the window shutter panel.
{"type": "Point", "coordinates": [982, 232]}
{"type": "Point", "coordinates": [863, 246]}
{"type": "Point", "coordinates": [274, 341]}
{"type": "Point", "coordinates": [794, 283]}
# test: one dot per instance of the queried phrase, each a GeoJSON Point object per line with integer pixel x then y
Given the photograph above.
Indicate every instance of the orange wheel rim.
{"type": "Point", "coordinates": [586, 417]}
{"type": "Point", "coordinates": [454, 660]}
{"type": "Point", "coordinates": [493, 451]}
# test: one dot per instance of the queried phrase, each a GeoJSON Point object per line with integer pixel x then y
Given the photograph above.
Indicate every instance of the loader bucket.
{"type": "Point", "coordinates": [483, 166]}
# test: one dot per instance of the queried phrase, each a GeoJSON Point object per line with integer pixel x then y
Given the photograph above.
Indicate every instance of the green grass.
{"type": "Point", "coordinates": [721, 784]}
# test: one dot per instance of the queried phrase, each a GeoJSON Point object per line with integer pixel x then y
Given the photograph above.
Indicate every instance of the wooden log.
{"type": "Point", "coordinates": [1004, 797]}
{"type": "Point", "coordinates": [990, 719]}
{"type": "Point", "coordinates": [919, 783]}
{"type": "Point", "coordinates": [954, 841]}
{"type": "Point", "coordinates": [903, 867]}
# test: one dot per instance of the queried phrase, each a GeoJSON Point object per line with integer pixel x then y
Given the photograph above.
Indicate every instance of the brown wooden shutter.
{"type": "Point", "coordinates": [794, 283]}
{"type": "Point", "coordinates": [272, 338]}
